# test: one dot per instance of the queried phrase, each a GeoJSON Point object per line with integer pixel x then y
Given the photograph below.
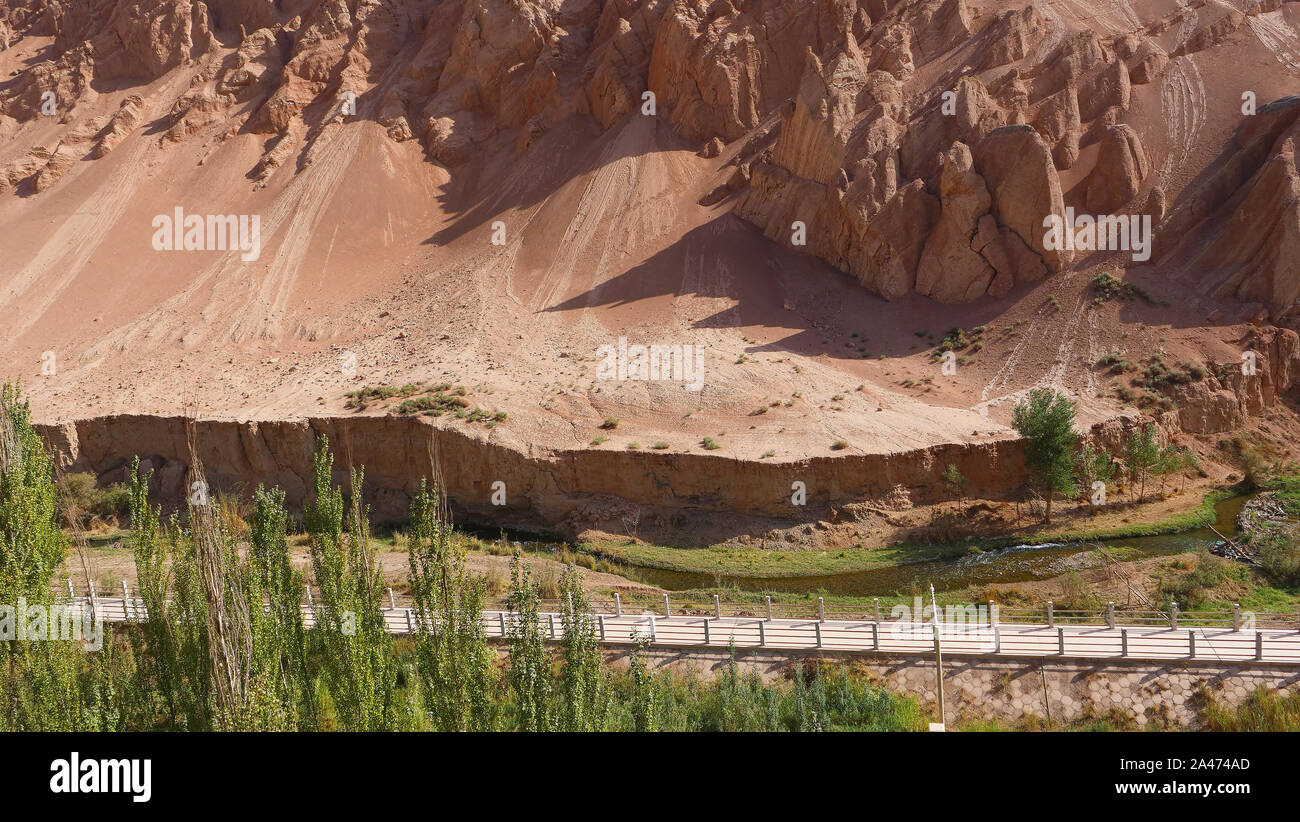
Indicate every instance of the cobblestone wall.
{"type": "Point", "coordinates": [1148, 694]}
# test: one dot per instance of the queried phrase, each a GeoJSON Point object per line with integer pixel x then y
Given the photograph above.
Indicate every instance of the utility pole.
{"type": "Point", "coordinates": [938, 664]}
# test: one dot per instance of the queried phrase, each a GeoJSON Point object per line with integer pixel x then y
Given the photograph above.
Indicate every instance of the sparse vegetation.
{"type": "Point", "coordinates": [958, 339]}
{"type": "Point", "coordinates": [82, 502]}
{"type": "Point", "coordinates": [1192, 588]}
{"type": "Point", "coordinates": [1107, 286]}
{"type": "Point", "coordinates": [362, 397]}
{"type": "Point", "coordinates": [1157, 375]}
{"type": "Point", "coordinates": [1278, 552]}
{"type": "Point", "coordinates": [1264, 710]}
{"type": "Point", "coordinates": [955, 481]}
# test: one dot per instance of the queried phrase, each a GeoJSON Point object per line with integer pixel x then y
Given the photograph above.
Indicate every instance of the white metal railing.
{"type": "Point", "coordinates": [1231, 639]}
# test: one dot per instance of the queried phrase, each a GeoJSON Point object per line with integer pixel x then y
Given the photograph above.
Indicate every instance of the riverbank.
{"type": "Point", "coordinates": [760, 562]}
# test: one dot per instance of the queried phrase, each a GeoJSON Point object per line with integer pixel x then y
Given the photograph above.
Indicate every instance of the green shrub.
{"type": "Point", "coordinates": [81, 501]}
{"type": "Point", "coordinates": [1278, 552]}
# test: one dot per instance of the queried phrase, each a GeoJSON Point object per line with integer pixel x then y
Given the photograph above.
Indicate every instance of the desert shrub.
{"type": "Point", "coordinates": [1192, 588]}
{"type": "Point", "coordinates": [1278, 552]}
{"type": "Point", "coordinates": [1107, 286]}
{"type": "Point", "coordinates": [81, 501]}
{"type": "Point", "coordinates": [958, 339]}
{"type": "Point", "coordinates": [1075, 594]}
{"type": "Point", "coordinates": [1157, 375]}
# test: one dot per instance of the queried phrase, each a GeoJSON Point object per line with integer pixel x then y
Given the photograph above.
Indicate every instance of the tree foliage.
{"type": "Point", "coordinates": [1045, 419]}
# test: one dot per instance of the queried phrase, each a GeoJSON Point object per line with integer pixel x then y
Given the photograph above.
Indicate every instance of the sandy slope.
{"type": "Point", "coordinates": [370, 249]}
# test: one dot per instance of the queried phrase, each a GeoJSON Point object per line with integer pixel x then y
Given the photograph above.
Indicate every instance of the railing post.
{"type": "Point", "coordinates": [654, 637]}
{"type": "Point", "coordinates": [550, 618]}
{"type": "Point", "coordinates": [768, 600]}
{"type": "Point", "coordinates": [1191, 643]}
{"type": "Point", "coordinates": [1173, 614]}
{"type": "Point", "coordinates": [72, 594]}
{"type": "Point", "coordinates": [1259, 645]}
{"type": "Point", "coordinates": [1060, 641]}
{"type": "Point", "coordinates": [707, 638]}
{"type": "Point", "coordinates": [1110, 615]}
{"type": "Point", "coordinates": [997, 640]}
{"type": "Point", "coordinates": [717, 607]}
{"type": "Point", "coordinates": [1123, 642]}
{"type": "Point", "coordinates": [501, 615]}
{"type": "Point", "coordinates": [821, 610]}
{"type": "Point", "coordinates": [618, 605]}
{"type": "Point", "coordinates": [310, 602]}
{"type": "Point", "coordinates": [762, 632]}
{"type": "Point", "coordinates": [602, 627]}
{"type": "Point", "coordinates": [818, 627]}
{"type": "Point", "coordinates": [875, 608]}
{"type": "Point", "coordinates": [1051, 615]}
{"type": "Point", "coordinates": [875, 636]}
{"type": "Point", "coordinates": [1236, 617]}
{"type": "Point", "coordinates": [392, 601]}
{"type": "Point", "coordinates": [993, 613]}
{"type": "Point", "coordinates": [126, 599]}
{"type": "Point", "coordinates": [410, 622]}
{"type": "Point", "coordinates": [667, 609]}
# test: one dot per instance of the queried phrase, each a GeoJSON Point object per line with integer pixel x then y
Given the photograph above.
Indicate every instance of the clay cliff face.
{"type": "Point", "coordinates": [568, 492]}
{"type": "Point", "coordinates": [919, 142]}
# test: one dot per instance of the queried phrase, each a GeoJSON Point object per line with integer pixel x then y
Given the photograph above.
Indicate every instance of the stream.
{"type": "Point", "coordinates": [1002, 565]}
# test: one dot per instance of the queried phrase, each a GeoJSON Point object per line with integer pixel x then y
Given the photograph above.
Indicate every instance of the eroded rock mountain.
{"type": "Point", "coordinates": [921, 143]}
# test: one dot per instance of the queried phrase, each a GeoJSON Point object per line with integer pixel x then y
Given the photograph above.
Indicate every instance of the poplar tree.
{"type": "Point", "coordinates": [1046, 422]}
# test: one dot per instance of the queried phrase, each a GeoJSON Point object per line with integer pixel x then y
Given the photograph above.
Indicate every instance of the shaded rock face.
{"type": "Point", "coordinates": [1017, 163]}
{"type": "Point", "coordinates": [967, 255]}
{"type": "Point", "coordinates": [565, 492]}
{"type": "Point", "coordinates": [1240, 228]}
{"type": "Point", "coordinates": [951, 270]}
{"type": "Point", "coordinates": [1121, 169]}
{"type": "Point", "coordinates": [866, 110]}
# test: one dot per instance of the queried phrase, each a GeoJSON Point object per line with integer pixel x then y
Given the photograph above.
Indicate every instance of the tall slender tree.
{"type": "Point", "coordinates": [1045, 419]}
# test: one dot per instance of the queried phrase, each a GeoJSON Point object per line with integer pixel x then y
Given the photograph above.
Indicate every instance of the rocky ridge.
{"type": "Point", "coordinates": [921, 143]}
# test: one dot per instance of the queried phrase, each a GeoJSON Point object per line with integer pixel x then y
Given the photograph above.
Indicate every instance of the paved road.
{"type": "Point", "coordinates": [1205, 645]}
